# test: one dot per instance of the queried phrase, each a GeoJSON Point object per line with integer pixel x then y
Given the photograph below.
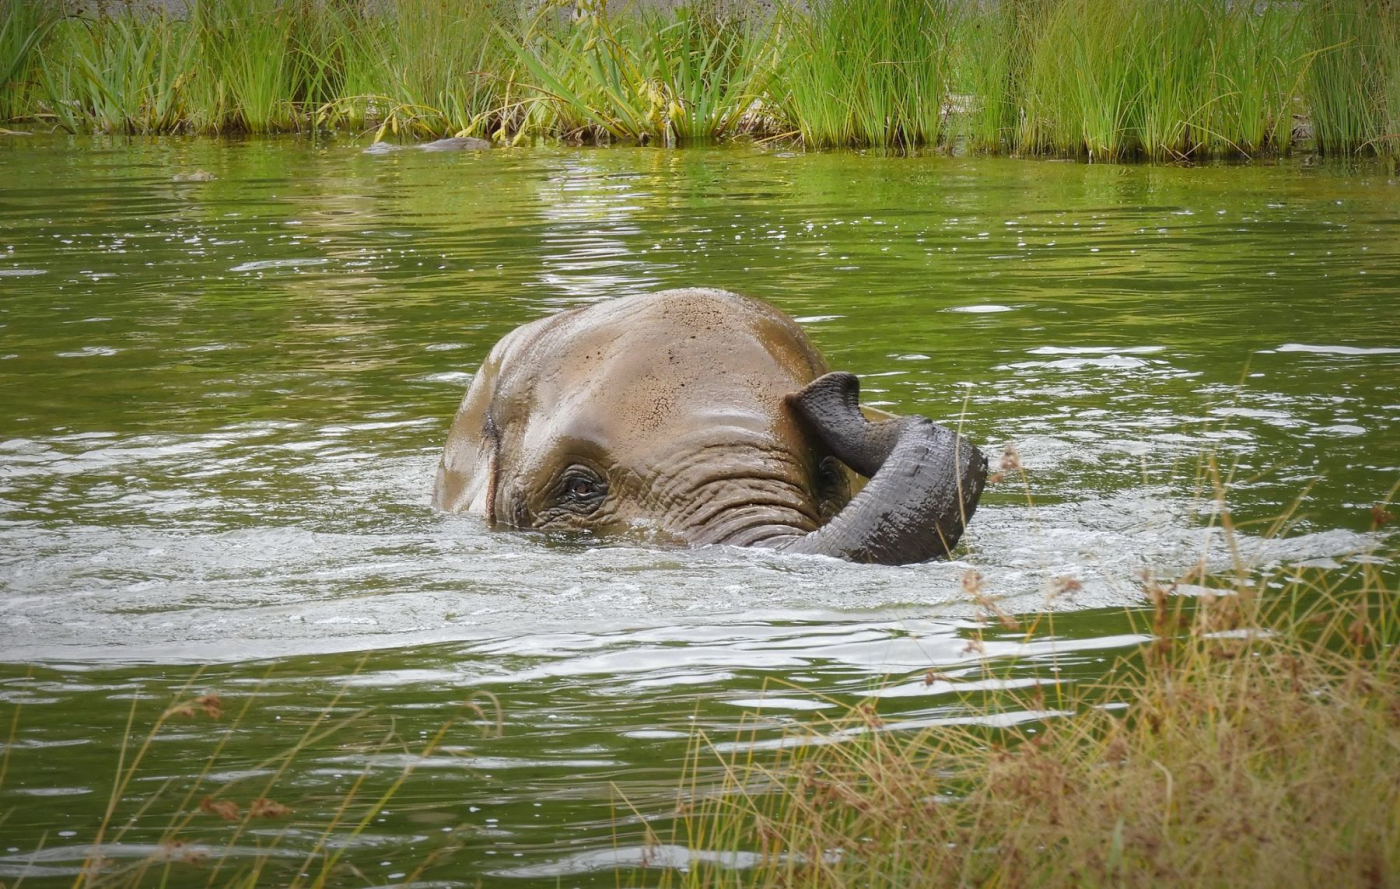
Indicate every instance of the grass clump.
{"type": "Point", "coordinates": [123, 73]}
{"type": "Point", "coordinates": [587, 78]}
{"type": "Point", "coordinates": [1353, 84]}
{"type": "Point", "coordinates": [715, 66]}
{"type": "Point", "coordinates": [248, 76]}
{"type": "Point", "coordinates": [865, 72]}
{"type": "Point", "coordinates": [993, 42]}
{"type": "Point", "coordinates": [1081, 79]}
{"type": "Point", "coordinates": [23, 26]}
{"type": "Point", "coordinates": [660, 75]}
{"type": "Point", "coordinates": [1257, 67]}
{"type": "Point", "coordinates": [422, 68]}
{"type": "Point", "coordinates": [1251, 741]}
{"type": "Point", "coordinates": [1176, 79]}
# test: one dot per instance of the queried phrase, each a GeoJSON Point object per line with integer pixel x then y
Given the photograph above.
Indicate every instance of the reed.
{"type": "Point", "coordinates": [121, 73]}
{"type": "Point", "coordinates": [865, 73]}
{"type": "Point", "coordinates": [586, 79]}
{"type": "Point", "coordinates": [715, 66]}
{"type": "Point", "coordinates": [667, 76]}
{"type": "Point", "coordinates": [1351, 85]}
{"type": "Point", "coordinates": [993, 41]}
{"type": "Point", "coordinates": [327, 57]}
{"type": "Point", "coordinates": [442, 66]}
{"type": "Point", "coordinates": [23, 26]}
{"type": "Point", "coordinates": [1080, 79]}
{"type": "Point", "coordinates": [1171, 75]}
{"type": "Point", "coordinates": [248, 68]}
{"type": "Point", "coordinates": [1104, 79]}
{"type": "Point", "coordinates": [1249, 742]}
{"type": "Point", "coordinates": [350, 44]}
{"type": "Point", "coordinates": [1257, 68]}
{"type": "Point", "coordinates": [1174, 79]}
{"type": "Point", "coordinates": [1387, 142]}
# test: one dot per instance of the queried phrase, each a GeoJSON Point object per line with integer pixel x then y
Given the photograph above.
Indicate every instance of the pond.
{"type": "Point", "coordinates": [223, 401]}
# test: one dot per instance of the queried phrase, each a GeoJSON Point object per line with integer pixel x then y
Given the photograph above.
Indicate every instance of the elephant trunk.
{"type": "Point", "coordinates": [925, 479]}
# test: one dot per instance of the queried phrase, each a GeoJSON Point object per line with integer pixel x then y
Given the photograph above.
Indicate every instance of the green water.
{"type": "Point", "coordinates": [221, 405]}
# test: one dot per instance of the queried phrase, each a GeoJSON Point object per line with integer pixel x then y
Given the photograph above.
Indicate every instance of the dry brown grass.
{"type": "Point", "coordinates": [1255, 741]}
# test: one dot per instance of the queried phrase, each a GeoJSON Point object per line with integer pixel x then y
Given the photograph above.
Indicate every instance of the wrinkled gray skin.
{"type": "Point", "coordinates": [706, 417]}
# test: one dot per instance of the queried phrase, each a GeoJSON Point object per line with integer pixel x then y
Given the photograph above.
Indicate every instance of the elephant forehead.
{"type": "Point", "coordinates": [631, 407]}
{"type": "Point", "coordinates": [629, 413]}
{"type": "Point", "coordinates": [652, 371]}
{"type": "Point", "coordinates": [623, 373]}
{"type": "Point", "coordinates": [727, 370]}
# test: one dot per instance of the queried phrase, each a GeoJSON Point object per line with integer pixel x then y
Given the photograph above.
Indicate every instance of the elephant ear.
{"type": "Point", "coordinates": [470, 470]}
{"type": "Point", "coordinates": [466, 476]}
{"type": "Point", "coordinates": [470, 466]}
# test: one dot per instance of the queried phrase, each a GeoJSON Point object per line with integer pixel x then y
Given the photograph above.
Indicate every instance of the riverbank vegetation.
{"type": "Point", "coordinates": [1097, 78]}
{"type": "Point", "coordinates": [1250, 739]}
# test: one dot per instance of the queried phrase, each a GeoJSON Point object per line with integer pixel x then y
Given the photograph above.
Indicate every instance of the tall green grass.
{"type": "Point", "coordinates": [229, 65]}
{"type": "Point", "coordinates": [23, 26]}
{"type": "Point", "coordinates": [347, 47]}
{"type": "Point", "coordinates": [1104, 79]}
{"type": "Point", "coordinates": [993, 42]}
{"type": "Point", "coordinates": [659, 75]}
{"type": "Point", "coordinates": [865, 72]}
{"type": "Point", "coordinates": [1353, 85]}
{"type": "Point", "coordinates": [1081, 78]}
{"type": "Point", "coordinates": [249, 74]}
{"type": "Point", "coordinates": [587, 78]}
{"type": "Point", "coordinates": [121, 74]}
{"type": "Point", "coordinates": [1178, 78]}
{"type": "Point", "coordinates": [714, 66]}
{"type": "Point", "coordinates": [441, 65]}
{"type": "Point", "coordinates": [1257, 68]}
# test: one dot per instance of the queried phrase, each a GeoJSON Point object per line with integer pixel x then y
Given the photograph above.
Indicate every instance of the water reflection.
{"type": "Point", "coordinates": [590, 221]}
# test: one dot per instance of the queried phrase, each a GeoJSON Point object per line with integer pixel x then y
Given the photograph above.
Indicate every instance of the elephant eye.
{"type": "Point", "coordinates": [581, 489]}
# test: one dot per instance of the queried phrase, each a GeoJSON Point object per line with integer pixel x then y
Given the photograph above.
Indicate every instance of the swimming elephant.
{"type": "Point", "coordinates": [708, 418]}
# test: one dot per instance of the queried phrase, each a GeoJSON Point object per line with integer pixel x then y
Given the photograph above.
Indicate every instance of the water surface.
{"type": "Point", "coordinates": [222, 402]}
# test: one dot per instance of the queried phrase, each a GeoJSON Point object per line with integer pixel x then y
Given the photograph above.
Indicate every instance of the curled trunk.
{"type": "Point", "coordinates": [925, 480]}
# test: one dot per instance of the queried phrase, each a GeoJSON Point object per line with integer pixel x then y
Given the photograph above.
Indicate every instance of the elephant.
{"type": "Point", "coordinates": [700, 417]}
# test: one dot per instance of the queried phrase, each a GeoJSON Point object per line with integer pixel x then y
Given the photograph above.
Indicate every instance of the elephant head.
{"type": "Point", "coordinates": [707, 418]}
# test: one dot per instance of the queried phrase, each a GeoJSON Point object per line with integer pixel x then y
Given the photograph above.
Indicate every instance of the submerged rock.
{"type": "Point", "coordinates": [455, 143]}
{"type": "Point", "coordinates": [194, 176]}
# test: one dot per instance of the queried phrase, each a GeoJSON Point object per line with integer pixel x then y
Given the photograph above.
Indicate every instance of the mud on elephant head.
{"type": "Point", "coordinates": [707, 417]}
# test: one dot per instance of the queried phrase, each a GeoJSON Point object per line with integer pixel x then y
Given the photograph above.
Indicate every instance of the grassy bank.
{"type": "Point", "coordinates": [1251, 740]}
{"type": "Point", "coordinates": [1104, 78]}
